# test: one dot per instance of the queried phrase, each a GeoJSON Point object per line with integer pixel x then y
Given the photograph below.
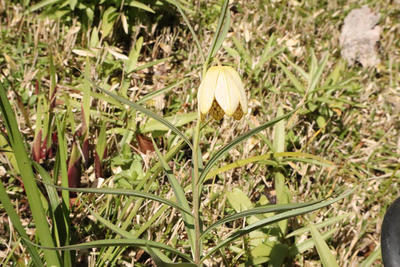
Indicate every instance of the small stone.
{"type": "Point", "coordinates": [359, 36]}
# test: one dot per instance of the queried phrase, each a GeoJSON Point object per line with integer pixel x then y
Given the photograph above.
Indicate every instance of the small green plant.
{"type": "Point", "coordinates": [104, 15]}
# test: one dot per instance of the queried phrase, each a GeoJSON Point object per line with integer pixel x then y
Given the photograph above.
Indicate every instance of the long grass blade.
{"type": "Point", "coordinates": [196, 39]}
{"type": "Point", "coordinates": [132, 242]}
{"type": "Point", "coordinates": [319, 225]}
{"type": "Point", "coordinates": [316, 77]}
{"type": "Point", "coordinates": [300, 70]}
{"type": "Point", "coordinates": [143, 110]}
{"type": "Point", "coordinates": [221, 31]}
{"type": "Point", "coordinates": [151, 64]}
{"type": "Point", "coordinates": [325, 254]}
{"type": "Point", "coordinates": [301, 247]}
{"type": "Point", "coordinates": [160, 263]}
{"type": "Point", "coordinates": [274, 219]}
{"type": "Point", "coordinates": [237, 141]}
{"type": "Point", "coordinates": [180, 196]}
{"type": "Point", "coordinates": [28, 178]}
{"type": "Point", "coordinates": [7, 205]}
{"type": "Point", "coordinates": [144, 185]}
{"type": "Point", "coordinates": [161, 91]}
{"type": "Point", "coordinates": [57, 210]}
{"type": "Point", "coordinates": [122, 232]}
{"type": "Point", "coordinates": [42, 4]}
{"type": "Point", "coordinates": [297, 84]}
{"type": "Point", "coordinates": [62, 150]}
{"type": "Point", "coordinates": [259, 210]}
{"type": "Point", "coordinates": [125, 192]}
{"type": "Point", "coordinates": [266, 160]}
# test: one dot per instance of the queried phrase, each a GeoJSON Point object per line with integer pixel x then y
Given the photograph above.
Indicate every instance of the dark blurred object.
{"type": "Point", "coordinates": [390, 236]}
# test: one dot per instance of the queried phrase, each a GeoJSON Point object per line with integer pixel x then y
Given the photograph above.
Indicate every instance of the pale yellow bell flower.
{"type": "Point", "coordinates": [222, 92]}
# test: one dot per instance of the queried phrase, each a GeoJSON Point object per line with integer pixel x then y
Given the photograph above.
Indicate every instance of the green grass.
{"type": "Point", "coordinates": [344, 134]}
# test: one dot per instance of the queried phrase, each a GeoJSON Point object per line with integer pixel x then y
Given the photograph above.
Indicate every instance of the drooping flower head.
{"type": "Point", "coordinates": [222, 92]}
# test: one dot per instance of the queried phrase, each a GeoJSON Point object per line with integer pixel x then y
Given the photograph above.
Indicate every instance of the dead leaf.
{"type": "Point", "coordinates": [145, 143]}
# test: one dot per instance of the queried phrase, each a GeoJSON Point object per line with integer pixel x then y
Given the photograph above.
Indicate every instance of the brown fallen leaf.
{"type": "Point", "coordinates": [144, 143]}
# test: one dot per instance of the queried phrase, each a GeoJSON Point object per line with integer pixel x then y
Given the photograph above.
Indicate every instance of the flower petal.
{"type": "Point", "coordinates": [239, 86]}
{"type": "Point", "coordinates": [238, 113]}
{"type": "Point", "coordinates": [226, 93]}
{"type": "Point", "coordinates": [206, 93]}
{"type": "Point", "coordinates": [216, 111]}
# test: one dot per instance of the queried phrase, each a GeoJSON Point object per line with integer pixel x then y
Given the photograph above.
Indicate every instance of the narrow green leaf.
{"type": "Point", "coordinates": [96, 95]}
{"type": "Point", "coordinates": [7, 150]}
{"type": "Point", "coordinates": [140, 5]}
{"type": "Point", "coordinates": [180, 196]}
{"type": "Point", "coordinates": [161, 91]}
{"type": "Point", "coordinates": [161, 263]}
{"type": "Point", "coordinates": [221, 31]}
{"type": "Point", "coordinates": [132, 242]}
{"type": "Point", "coordinates": [334, 75]}
{"type": "Point", "coordinates": [124, 233]}
{"type": "Point", "coordinates": [101, 141]}
{"type": "Point", "coordinates": [94, 38]}
{"type": "Point", "coordinates": [273, 219]}
{"type": "Point", "coordinates": [62, 152]}
{"type": "Point", "coordinates": [316, 77]}
{"type": "Point", "coordinates": [325, 254]}
{"type": "Point", "coordinates": [301, 247]}
{"type": "Point", "coordinates": [243, 52]}
{"type": "Point", "coordinates": [178, 120]}
{"type": "Point", "coordinates": [110, 15]}
{"type": "Point", "coordinates": [150, 222]}
{"type": "Point", "coordinates": [300, 70]}
{"type": "Point", "coordinates": [134, 54]}
{"type": "Point", "coordinates": [145, 111]}
{"type": "Point", "coordinates": [53, 76]}
{"type": "Point", "coordinates": [86, 99]}
{"type": "Point", "coordinates": [237, 141]}
{"type": "Point", "coordinates": [126, 192]}
{"type": "Point", "coordinates": [196, 39]}
{"type": "Point", "coordinates": [110, 225]}
{"type": "Point", "coordinates": [279, 133]}
{"type": "Point", "coordinates": [313, 66]}
{"type": "Point", "coordinates": [282, 192]}
{"type": "Point", "coordinates": [297, 84]}
{"type": "Point", "coordinates": [319, 225]}
{"type": "Point", "coordinates": [282, 196]}
{"type": "Point", "coordinates": [259, 210]}
{"type": "Point", "coordinates": [264, 58]}
{"type": "Point", "coordinates": [42, 4]}
{"type": "Point", "coordinates": [28, 178]}
{"type": "Point", "coordinates": [7, 205]}
{"type": "Point", "coordinates": [265, 159]}
{"type": "Point", "coordinates": [151, 64]}
{"type": "Point", "coordinates": [53, 197]}
{"type": "Point", "coordinates": [232, 52]}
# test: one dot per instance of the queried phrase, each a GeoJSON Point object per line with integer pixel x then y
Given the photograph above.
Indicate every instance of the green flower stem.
{"type": "Point", "coordinates": [196, 193]}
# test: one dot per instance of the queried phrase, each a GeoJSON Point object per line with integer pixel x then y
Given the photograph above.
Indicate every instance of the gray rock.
{"type": "Point", "coordinates": [359, 36]}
